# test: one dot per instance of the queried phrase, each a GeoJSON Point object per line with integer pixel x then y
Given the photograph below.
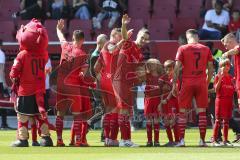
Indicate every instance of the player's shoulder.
{"type": "Point", "coordinates": [22, 53]}
{"type": "Point", "coordinates": [128, 45]}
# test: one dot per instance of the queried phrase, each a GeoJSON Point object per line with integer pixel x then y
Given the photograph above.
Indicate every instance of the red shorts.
{"type": "Point", "coordinates": [151, 106]}
{"type": "Point", "coordinates": [171, 107]}
{"type": "Point", "coordinates": [124, 94]}
{"type": "Point", "coordinates": [107, 92]}
{"type": "Point", "coordinates": [193, 88]}
{"type": "Point", "coordinates": [223, 108]}
{"type": "Point", "coordinates": [76, 104]}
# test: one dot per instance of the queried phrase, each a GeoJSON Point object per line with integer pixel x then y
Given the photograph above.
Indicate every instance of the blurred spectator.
{"type": "Point", "coordinates": [216, 22]}
{"type": "Point", "coordinates": [227, 4]}
{"type": "Point", "coordinates": [81, 9]}
{"type": "Point", "coordinates": [3, 112]}
{"type": "Point", "coordinates": [58, 9]}
{"type": "Point", "coordinates": [234, 23]}
{"type": "Point", "coordinates": [32, 9]}
{"type": "Point", "coordinates": [108, 9]}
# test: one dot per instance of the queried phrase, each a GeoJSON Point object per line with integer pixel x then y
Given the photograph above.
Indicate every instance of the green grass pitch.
{"type": "Point", "coordinates": [98, 152]}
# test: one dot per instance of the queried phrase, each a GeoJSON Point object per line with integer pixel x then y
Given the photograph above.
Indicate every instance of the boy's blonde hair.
{"type": "Point", "coordinates": [169, 63]}
{"type": "Point", "coordinates": [154, 61]}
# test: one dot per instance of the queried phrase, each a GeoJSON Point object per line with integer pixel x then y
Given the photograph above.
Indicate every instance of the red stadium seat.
{"type": "Point", "coordinates": [139, 9]}
{"type": "Point", "coordinates": [165, 3]}
{"type": "Point", "coordinates": [164, 11]}
{"type": "Point", "coordinates": [7, 31]}
{"type": "Point", "coordinates": [190, 3]}
{"type": "Point", "coordinates": [180, 25]}
{"type": "Point", "coordinates": [159, 29]}
{"type": "Point", "coordinates": [189, 12]}
{"type": "Point", "coordinates": [236, 4]}
{"type": "Point", "coordinates": [7, 8]}
{"type": "Point", "coordinates": [135, 24]}
{"type": "Point", "coordinates": [84, 25]}
{"type": "Point", "coordinates": [51, 29]}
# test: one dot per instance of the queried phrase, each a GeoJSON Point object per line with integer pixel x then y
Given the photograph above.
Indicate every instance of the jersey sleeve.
{"type": "Point", "coordinates": [179, 55]}
{"type": "Point", "coordinates": [210, 56]}
{"type": "Point", "coordinates": [17, 66]}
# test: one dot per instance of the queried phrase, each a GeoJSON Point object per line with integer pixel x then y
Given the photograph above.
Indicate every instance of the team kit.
{"type": "Point", "coordinates": [108, 76]}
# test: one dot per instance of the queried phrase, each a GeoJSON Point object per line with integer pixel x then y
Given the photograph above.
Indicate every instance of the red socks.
{"type": "Point", "coordinates": [169, 133]}
{"type": "Point", "coordinates": [176, 133]}
{"type": "Point", "coordinates": [84, 132]}
{"type": "Point", "coordinates": [225, 130]}
{"type": "Point", "coordinates": [34, 132]}
{"type": "Point", "coordinates": [106, 125]}
{"type": "Point", "coordinates": [149, 131]}
{"type": "Point", "coordinates": [182, 121]}
{"type": "Point", "coordinates": [72, 134]}
{"type": "Point", "coordinates": [77, 128]}
{"type": "Point", "coordinates": [156, 132]}
{"type": "Point", "coordinates": [215, 129]}
{"type": "Point", "coordinates": [59, 127]}
{"type": "Point", "coordinates": [114, 126]}
{"type": "Point", "coordinates": [202, 124]}
{"type": "Point", "coordinates": [124, 125]}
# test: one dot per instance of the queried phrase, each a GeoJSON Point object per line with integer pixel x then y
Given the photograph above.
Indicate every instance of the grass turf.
{"type": "Point", "coordinates": [97, 152]}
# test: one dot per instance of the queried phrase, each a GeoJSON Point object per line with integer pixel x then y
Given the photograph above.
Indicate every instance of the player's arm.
{"type": "Point", "coordinates": [16, 69]}
{"type": "Point", "coordinates": [125, 21]}
{"type": "Point", "coordinates": [97, 68]}
{"type": "Point", "coordinates": [217, 83]}
{"type": "Point", "coordinates": [230, 52]}
{"type": "Point", "coordinates": [177, 68]}
{"type": "Point", "coordinates": [60, 26]}
{"type": "Point", "coordinates": [210, 71]}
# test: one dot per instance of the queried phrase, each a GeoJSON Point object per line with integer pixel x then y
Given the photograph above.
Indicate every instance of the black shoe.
{"type": "Point", "coordinates": [46, 141]}
{"type": "Point", "coordinates": [20, 143]}
{"type": "Point", "coordinates": [156, 144]}
{"type": "Point", "coordinates": [5, 127]}
{"type": "Point", "coordinates": [35, 143]}
{"type": "Point", "coordinates": [237, 140]}
{"type": "Point", "coordinates": [149, 144]}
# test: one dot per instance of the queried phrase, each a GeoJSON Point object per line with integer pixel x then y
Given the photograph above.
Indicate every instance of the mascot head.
{"type": "Point", "coordinates": [33, 36]}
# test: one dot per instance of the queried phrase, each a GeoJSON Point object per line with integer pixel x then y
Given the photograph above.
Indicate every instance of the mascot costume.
{"type": "Point", "coordinates": [28, 76]}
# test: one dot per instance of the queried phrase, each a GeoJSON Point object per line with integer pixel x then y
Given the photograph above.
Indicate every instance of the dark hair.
{"type": "Point", "coordinates": [182, 40]}
{"type": "Point", "coordinates": [78, 35]}
{"type": "Point", "coordinates": [1, 42]}
{"type": "Point", "coordinates": [192, 32]}
{"type": "Point", "coordinates": [220, 3]}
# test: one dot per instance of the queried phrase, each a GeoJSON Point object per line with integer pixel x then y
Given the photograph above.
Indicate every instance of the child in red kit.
{"type": "Point", "coordinates": [169, 106]}
{"type": "Point", "coordinates": [152, 101]}
{"type": "Point", "coordinates": [224, 88]}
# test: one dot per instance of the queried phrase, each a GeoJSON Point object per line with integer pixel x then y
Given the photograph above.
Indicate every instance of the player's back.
{"type": "Point", "coordinates": [194, 59]}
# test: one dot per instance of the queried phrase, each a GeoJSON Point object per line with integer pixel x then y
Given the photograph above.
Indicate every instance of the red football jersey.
{"type": "Point", "coordinates": [194, 59]}
{"type": "Point", "coordinates": [29, 68]}
{"type": "Point", "coordinates": [69, 53]}
{"type": "Point", "coordinates": [237, 67]}
{"type": "Point", "coordinates": [152, 88]}
{"type": "Point", "coordinates": [226, 89]}
{"type": "Point", "coordinates": [127, 61]}
{"type": "Point", "coordinates": [108, 59]}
